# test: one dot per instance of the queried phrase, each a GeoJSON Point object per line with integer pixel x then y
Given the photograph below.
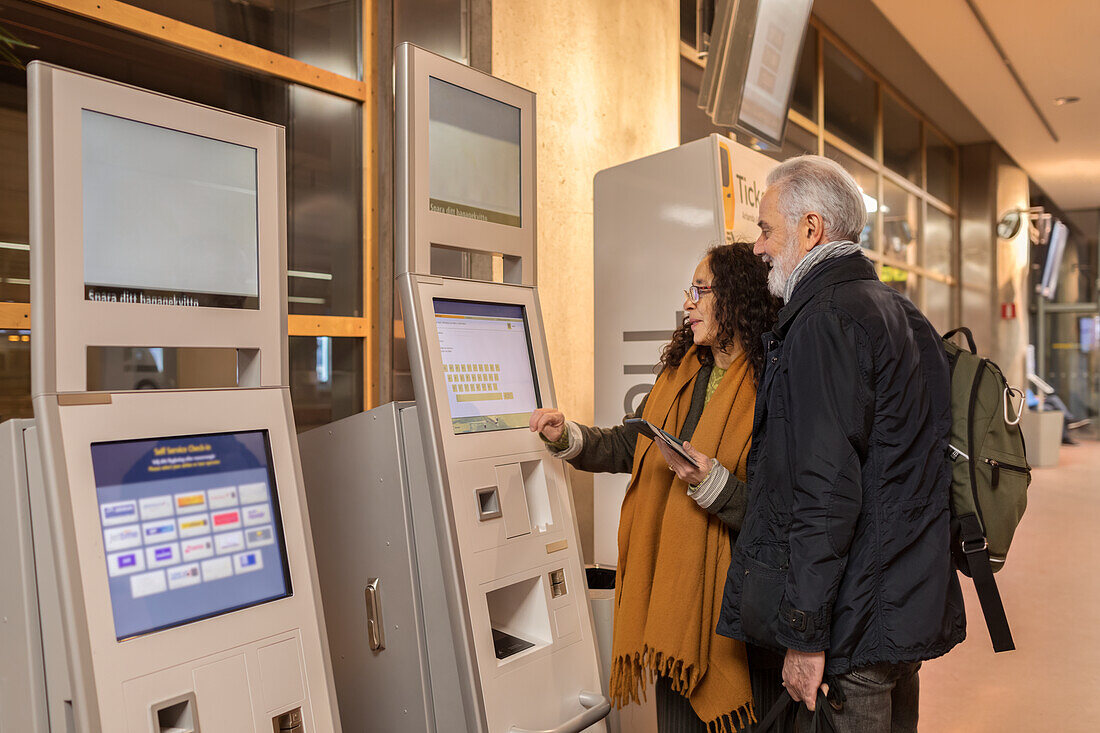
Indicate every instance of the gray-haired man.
{"type": "Point", "coordinates": [843, 559]}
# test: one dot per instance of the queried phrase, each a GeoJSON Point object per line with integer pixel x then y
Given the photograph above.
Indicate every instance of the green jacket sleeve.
{"type": "Point", "coordinates": [608, 450]}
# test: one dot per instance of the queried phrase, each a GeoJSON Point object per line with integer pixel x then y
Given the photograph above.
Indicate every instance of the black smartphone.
{"type": "Point", "coordinates": [651, 431]}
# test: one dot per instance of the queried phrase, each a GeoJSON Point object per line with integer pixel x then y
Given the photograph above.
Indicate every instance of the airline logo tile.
{"type": "Point", "coordinates": [217, 569]}
{"type": "Point", "coordinates": [121, 538]}
{"type": "Point", "coordinates": [257, 514]}
{"type": "Point", "coordinates": [173, 541]}
{"type": "Point", "coordinates": [229, 542]}
{"type": "Point", "coordinates": [194, 501]}
{"type": "Point", "coordinates": [147, 584]}
{"type": "Point", "coordinates": [247, 562]}
{"type": "Point", "coordinates": [162, 531]}
{"type": "Point", "coordinates": [222, 498]}
{"type": "Point", "coordinates": [124, 563]}
{"type": "Point", "coordinates": [194, 526]}
{"type": "Point", "coordinates": [197, 549]}
{"type": "Point", "coordinates": [259, 537]}
{"type": "Point", "coordinates": [160, 556]}
{"type": "Point", "coordinates": [253, 493]}
{"type": "Point", "coordinates": [226, 520]}
{"type": "Point", "coordinates": [156, 507]}
{"type": "Point", "coordinates": [118, 512]}
{"type": "Point", "coordinates": [183, 576]}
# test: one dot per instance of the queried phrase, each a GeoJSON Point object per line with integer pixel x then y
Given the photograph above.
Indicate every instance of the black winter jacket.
{"type": "Point", "coordinates": [845, 544]}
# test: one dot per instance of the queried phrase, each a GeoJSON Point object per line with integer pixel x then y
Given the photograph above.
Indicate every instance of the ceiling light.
{"type": "Point", "coordinates": [1061, 101]}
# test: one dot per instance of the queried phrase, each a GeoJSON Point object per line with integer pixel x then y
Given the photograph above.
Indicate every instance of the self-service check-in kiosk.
{"type": "Point", "coordinates": [157, 551]}
{"type": "Point", "coordinates": [448, 549]}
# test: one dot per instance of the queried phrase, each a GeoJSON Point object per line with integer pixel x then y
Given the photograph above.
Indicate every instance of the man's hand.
{"type": "Point", "coordinates": [683, 468]}
{"type": "Point", "coordinates": [802, 673]}
{"type": "Point", "coordinates": [549, 422]}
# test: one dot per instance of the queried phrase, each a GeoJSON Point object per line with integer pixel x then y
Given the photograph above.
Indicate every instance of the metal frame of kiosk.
{"type": "Point", "coordinates": [449, 552]}
{"type": "Point", "coordinates": [421, 221]}
{"type": "Point", "coordinates": [128, 649]}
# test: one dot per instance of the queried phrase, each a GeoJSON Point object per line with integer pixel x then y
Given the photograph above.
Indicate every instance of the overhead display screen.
{"type": "Point", "coordinates": [488, 366]}
{"type": "Point", "coordinates": [170, 218]}
{"type": "Point", "coordinates": [191, 528]}
{"type": "Point", "coordinates": [776, 43]}
{"type": "Point", "coordinates": [473, 155]}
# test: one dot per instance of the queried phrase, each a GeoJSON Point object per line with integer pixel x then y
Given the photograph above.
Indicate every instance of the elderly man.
{"type": "Point", "coordinates": [843, 561]}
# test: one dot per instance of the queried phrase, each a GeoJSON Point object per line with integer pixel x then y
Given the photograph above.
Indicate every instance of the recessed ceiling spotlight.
{"type": "Point", "coordinates": [1061, 101]}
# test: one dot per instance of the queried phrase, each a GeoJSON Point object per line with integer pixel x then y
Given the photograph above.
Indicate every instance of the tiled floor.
{"type": "Point", "coordinates": [1051, 591]}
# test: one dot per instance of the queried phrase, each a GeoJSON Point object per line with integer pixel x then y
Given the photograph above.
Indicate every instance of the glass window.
{"type": "Point", "coordinates": [15, 374]}
{"type": "Point", "coordinates": [694, 122]}
{"type": "Point", "coordinates": [324, 140]}
{"type": "Point", "coordinates": [868, 182]}
{"type": "Point", "coordinates": [941, 167]}
{"type": "Point", "coordinates": [324, 34]}
{"type": "Point", "coordinates": [688, 24]}
{"type": "Point", "coordinates": [900, 139]}
{"type": "Point", "coordinates": [797, 141]}
{"type": "Point", "coordinates": [900, 222]}
{"type": "Point", "coordinates": [849, 101]}
{"type": "Point", "coordinates": [441, 26]}
{"type": "Point", "coordinates": [804, 100]}
{"type": "Point", "coordinates": [939, 241]}
{"type": "Point", "coordinates": [902, 280]}
{"type": "Point", "coordinates": [937, 304]}
{"type": "Point", "coordinates": [326, 379]}
{"type": "Point", "coordinates": [14, 206]}
{"type": "Point", "coordinates": [325, 257]}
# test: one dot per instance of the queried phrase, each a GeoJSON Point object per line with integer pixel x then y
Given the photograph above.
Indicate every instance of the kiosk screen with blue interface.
{"type": "Point", "coordinates": [488, 366]}
{"type": "Point", "coordinates": [191, 528]}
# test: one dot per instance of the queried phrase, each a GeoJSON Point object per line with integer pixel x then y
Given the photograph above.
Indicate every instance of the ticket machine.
{"type": "Point", "coordinates": [668, 208]}
{"type": "Point", "coordinates": [158, 559]}
{"type": "Point", "coordinates": [446, 536]}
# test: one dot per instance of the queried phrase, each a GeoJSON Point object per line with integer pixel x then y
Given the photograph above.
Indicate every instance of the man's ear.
{"type": "Point", "coordinates": [812, 231]}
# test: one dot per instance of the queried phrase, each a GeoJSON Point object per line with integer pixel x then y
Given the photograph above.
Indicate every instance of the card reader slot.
{"type": "Point", "coordinates": [175, 716]}
{"type": "Point", "coordinates": [488, 503]}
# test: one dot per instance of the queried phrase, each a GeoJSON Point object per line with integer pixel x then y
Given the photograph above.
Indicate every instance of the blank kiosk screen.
{"type": "Point", "coordinates": [191, 528]}
{"type": "Point", "coordinates": [473, 155]}
{"type": "Point", "coordinates": [170, 218]}
{"type": "Point", "coordinates": [487, 364]}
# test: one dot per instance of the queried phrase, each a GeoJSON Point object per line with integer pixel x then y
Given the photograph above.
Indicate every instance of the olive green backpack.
{"type": "Point", "coordinates": [990, 475]}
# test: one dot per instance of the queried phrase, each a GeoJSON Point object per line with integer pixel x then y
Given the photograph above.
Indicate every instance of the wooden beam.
{"type": "Point", "coordinates": [337, 326]}
{"type": "Point", "coordinates": [190, 37]}
{"type": "Point", "coordinates": [15, 316]}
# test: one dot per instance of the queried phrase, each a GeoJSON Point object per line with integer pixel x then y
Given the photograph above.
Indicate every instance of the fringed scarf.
{"type": "Point", "coordinates": [673, 557]}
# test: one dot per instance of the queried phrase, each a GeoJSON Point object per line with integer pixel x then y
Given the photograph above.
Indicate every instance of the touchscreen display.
{"type": "Point", "coordinates": [170, 218]}
{"type": "Point", "coordinates": [191, 528]}
{"type": "Point", "coordinates": [487, 364]}
{"type": "Point", "coordinates": [473, 155]}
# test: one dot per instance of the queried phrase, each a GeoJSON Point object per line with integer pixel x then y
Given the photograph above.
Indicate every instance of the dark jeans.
{"type": "Point", "coordinates": [882, 698]}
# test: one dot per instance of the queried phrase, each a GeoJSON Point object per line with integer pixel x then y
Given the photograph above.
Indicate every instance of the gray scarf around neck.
{"type": "Point", "coordinates": [817, 255]}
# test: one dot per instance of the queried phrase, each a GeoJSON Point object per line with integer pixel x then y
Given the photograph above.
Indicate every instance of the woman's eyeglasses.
{"type": "Point", "coordinates": [697, 291]}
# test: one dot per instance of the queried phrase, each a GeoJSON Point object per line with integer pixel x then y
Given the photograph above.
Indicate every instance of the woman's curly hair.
{"type": "Point", "coordinates": [744, 308]}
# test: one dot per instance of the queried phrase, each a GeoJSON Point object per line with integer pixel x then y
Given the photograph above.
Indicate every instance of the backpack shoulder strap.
{"type": "Point", "coordinates": [977, 561]}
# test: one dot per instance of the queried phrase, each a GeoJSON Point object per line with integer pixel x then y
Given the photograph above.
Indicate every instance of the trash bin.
{"type": "Point", "coordinates": [601, 593]}
{"type": "Point", "coordinates": [600, 577]}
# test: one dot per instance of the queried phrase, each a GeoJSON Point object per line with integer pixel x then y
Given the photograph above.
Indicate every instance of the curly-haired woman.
{"type": "Point", "coordinates": [677, 518]}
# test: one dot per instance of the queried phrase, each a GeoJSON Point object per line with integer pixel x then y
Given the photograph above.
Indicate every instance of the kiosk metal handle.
{"type": "Point", "coordinates": [375, 634]}
{"type": "Point", "coordinates": [596, 707]}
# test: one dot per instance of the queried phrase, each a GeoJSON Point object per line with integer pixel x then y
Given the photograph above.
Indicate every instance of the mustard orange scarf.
{"type": "Point", "coordinates": [673, 557]}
